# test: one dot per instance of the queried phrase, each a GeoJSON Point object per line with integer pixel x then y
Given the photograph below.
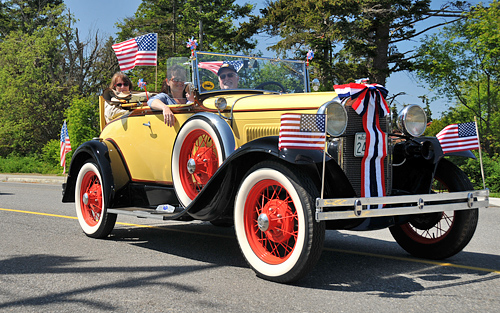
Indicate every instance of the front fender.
{"type": "Point", "coordinates": [216, 199]}
{"type": "Point", "coordinates": [97, 151]}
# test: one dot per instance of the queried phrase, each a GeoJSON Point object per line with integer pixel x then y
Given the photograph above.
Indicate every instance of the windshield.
{"type": "Point", "coordinates": [222, 71]}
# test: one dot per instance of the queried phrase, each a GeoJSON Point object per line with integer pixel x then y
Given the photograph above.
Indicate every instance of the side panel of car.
{"type": "Point", "coordinates": [146, 144]}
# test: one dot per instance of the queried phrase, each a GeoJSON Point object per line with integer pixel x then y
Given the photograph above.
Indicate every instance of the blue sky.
{"type": "Point", "coordinates": [102, 15]}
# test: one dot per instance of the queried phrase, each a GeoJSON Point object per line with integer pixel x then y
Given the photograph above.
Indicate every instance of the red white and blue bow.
{"type": "Point", "coordinates": [370, 104]}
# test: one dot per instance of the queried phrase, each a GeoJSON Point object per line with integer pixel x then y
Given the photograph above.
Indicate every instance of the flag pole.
{"type": "Point", "coordinates": [156, 66]}
{"type": "Point", "coordinates": [480, 156]}
{"type": "Point", "coordinates": [324, 159]}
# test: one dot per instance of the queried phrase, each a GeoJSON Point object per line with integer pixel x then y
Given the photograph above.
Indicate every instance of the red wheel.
{"type": "Point", "coordinates": [429, 229]}
{"type": "Point", "coordinates": [196, 157]}
{"type": "Point", "coordinates": [199, 152]}
{"type": "Point", "coordinates": [443, 234]}
{"type": "Point", "coordinates": [274, 224]}
{"type": "Point", "coordinates": [90, 203]}
{"type": "Point", "coordinates": [271, 222]}
{"type": "Point", "coordinates": [91, 198]}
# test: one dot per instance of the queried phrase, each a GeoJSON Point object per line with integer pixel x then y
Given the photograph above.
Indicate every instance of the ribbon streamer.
{"type": "Point", "coordinates": [370, 104]}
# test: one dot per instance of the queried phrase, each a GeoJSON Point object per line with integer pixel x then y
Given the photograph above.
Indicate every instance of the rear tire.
{"type": "Point", "coordinates": [443, 234]}
{"type": "Point", "coordinates": [90, 203]}
{"type": "Point", "coordinates": [274, 222]}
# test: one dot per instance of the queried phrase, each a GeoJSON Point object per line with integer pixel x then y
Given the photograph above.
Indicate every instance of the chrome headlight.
{"type": "Point", "coordinates": [336, 121]}
{"type": "Point", "coordinates": [412, 120]}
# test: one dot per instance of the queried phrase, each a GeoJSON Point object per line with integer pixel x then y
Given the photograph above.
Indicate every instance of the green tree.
{"type": "Point", "coordinates": [42, 71]}
{"type": "Point", "coordinates": [33, 100]}
{"type": "Point", "coordinates": [211, 23]}
{"type": "Point", "coordinates": [351, 38]}
{"type": "Point", "coordinates": [25, 16]}
{"type": "Point", "coordinates": [461, 62]}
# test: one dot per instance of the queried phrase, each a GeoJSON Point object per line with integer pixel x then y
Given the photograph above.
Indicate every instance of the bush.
{"type": "Point", "coordinates": [491, 172]}
{"type": "Point", "coordinates": [27, 164]}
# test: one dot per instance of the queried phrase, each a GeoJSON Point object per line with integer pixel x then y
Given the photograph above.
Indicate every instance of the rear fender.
{"type": "Point", "coordinates": [98, 152]}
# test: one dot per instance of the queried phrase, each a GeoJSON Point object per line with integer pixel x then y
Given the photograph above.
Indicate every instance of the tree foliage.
{"type": "Point", "coordinates": [351, 38]}
{"type": "Point", "coordinates": [44, 65]}
{"type": "Point", "coordinates": [211, 23]}
{"type": "Point", "coordinates": [461, 62]}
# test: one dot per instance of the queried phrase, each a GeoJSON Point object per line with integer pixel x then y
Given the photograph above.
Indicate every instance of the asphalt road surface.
{"type": "Point", "coordinates": [47, 264]}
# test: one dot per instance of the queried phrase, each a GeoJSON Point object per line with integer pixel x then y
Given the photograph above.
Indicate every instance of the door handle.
{"type": "Point", "coordinates": [148, 124]}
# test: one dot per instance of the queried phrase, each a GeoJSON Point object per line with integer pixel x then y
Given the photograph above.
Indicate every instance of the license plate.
{"type": "Point", "coordinates": [360, 145]}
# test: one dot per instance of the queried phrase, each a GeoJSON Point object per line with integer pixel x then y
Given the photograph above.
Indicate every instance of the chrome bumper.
{"type": "Point", "coordinates": [402, 205]}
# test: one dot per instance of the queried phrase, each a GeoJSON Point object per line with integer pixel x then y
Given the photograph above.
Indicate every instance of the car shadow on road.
{"type": "Point", "coordinates": [348, 263]}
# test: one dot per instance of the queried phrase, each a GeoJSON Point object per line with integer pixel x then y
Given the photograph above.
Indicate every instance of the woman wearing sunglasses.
{"type": "Point", "coordinates": [120, 84]}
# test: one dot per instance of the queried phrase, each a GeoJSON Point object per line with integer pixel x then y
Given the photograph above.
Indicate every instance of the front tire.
{"type": "Point", "coordinates": [90, 203]}
{"type": "Point", "coordinates": [274, 222]}
{"type": "Point", "coordinates": [443, 234]}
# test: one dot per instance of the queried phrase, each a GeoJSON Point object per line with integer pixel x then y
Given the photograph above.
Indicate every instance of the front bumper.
{"type": "Point", "coordinates": [401, 205]}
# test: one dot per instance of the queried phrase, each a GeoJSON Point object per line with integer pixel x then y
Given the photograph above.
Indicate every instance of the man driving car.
{"type": "Point", "coordinates": [228, 77]}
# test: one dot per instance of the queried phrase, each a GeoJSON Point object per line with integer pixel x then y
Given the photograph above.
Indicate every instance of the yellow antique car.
{"type": "Point", "coordinates": [229, 159]}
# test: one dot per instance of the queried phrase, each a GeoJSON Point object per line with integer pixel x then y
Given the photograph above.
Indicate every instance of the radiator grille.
{"type": "Point", "coordinates": [351, 164]}
{"type": "Point", "coordinates": [255, 132]}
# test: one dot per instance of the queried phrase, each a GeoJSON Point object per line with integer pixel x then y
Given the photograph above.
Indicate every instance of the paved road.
{"type": "Point", "coordinates": [47, 264]}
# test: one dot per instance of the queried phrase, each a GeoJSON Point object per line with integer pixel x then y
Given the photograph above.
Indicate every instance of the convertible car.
{"type": "Point", "coordinates": [280, 162]}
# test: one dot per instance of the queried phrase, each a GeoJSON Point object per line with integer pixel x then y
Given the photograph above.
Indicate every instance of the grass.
{"type": "Point", "coordinates": [28, 164]}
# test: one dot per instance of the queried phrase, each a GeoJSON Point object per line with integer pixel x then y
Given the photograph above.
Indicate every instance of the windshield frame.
{"type": "Point", "coordinates": [197, 80]}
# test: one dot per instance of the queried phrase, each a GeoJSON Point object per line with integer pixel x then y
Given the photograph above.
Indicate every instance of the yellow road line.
{"type": "Point", "coordinates": [375, 255]}
{"type": "Point", "coordinates": [444, 264]}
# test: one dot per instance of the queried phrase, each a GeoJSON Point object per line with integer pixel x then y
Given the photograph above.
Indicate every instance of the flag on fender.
{"type": "Point", "coordinates": [302, 131]}
{"type": "Point", "coordinates": [138, 51]}
{"type": "Point", "coordinates": [65, 145]}
{"type": "Point", "coordinates": [458, 137]}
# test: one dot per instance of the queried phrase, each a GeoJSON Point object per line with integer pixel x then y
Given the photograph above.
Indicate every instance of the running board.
{"type": "Point", "coordinates": [149, 213]}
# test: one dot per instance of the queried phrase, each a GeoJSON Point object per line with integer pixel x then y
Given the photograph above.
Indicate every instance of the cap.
{"type": "Point", "coordinates": [228, 66]}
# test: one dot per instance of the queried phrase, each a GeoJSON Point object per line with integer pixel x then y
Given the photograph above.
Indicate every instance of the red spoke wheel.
{"type": "Point", "coordinates": [274, 222]}
{"type": "Point", "coordinates": [196, 157]}
{"type": "Point", "coordinates": [443, 234]}
{"type": "Point", "coordinates": [90, 204]}
{"type": "Point", "coordinates": [200, 155]}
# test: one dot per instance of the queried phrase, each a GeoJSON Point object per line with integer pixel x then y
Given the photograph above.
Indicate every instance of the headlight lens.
{"type": "Point", "coordinates": [412, 120]}
{"type": "Point", "coordinates": [336, 117]}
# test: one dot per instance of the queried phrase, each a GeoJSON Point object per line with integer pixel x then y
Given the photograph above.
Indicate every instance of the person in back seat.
{"type": "Point", "coordinates": [121, 85]}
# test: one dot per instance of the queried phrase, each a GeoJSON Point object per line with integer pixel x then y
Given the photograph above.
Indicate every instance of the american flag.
{"type": "Point", "coordinates": [458, 137]}
{"type": "Point", "coordinates": [137, 51]}
{"type": "Point", "coordinates": [302, 131]}
{"type": "Point", "coordinates": [65, 145]}
{"type": "Point", "coordinates": [213, 66]}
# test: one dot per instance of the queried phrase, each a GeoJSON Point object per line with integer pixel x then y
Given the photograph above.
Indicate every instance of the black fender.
{"type": "Point", "coordinates": [98, 151]}
{"type": "Point", "coordinates": [415, 163]}
{"type": "Point", "coordinates": [217, 198]}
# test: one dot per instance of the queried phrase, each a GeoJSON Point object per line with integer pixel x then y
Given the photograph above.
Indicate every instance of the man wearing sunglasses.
{"type": "Point", "coordinates": [228, 77]}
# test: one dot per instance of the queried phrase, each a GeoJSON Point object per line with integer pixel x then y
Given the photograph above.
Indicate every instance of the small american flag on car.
{"type": "Point", "coordinates": [458, 137]}
{"type": "Point", "coordinates": [302, 131]}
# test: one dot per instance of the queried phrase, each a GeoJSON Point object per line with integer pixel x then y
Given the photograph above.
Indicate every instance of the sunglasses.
{"type": "Point", "coordinates": [120, 85]}
{"type": "Point", "coordinates": [229, 75]}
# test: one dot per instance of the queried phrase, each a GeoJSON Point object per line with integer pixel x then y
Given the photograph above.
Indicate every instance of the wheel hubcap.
{"type": "Point", "coordinates": [85, 198]}
{"type": "Point", "coordinates": [191, 166]}
{"type": "Point", "coordinates": [263, 222]}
